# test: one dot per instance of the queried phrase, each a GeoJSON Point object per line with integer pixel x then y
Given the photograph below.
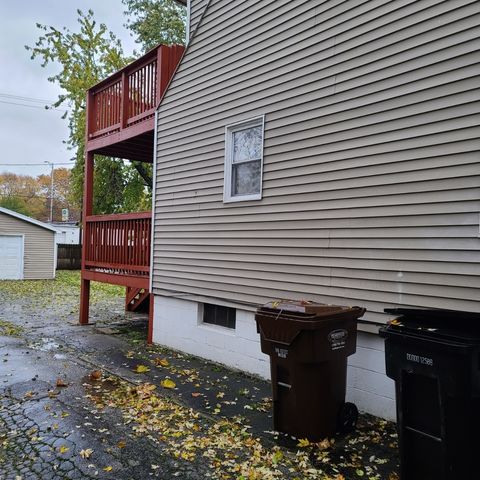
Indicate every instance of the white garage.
{"type": "Point", "coordinates": [27, 247]}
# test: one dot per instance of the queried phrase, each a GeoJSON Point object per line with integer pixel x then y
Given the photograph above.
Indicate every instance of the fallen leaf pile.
{"type": "Point", "coordinates": [232, 452]}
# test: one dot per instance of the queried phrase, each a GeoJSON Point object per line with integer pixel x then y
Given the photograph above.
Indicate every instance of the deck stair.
{"type": "Point", "coordinates": [137, 299]}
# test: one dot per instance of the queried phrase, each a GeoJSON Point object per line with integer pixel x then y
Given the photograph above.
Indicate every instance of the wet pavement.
{"type": "Point", "coordinates": [96, 402]}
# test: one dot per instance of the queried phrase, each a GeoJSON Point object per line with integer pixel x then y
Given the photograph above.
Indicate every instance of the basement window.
{"type": "Point", "coordinates": [218, 315]}
{"type": "Point", "coordinates": [243, 161]}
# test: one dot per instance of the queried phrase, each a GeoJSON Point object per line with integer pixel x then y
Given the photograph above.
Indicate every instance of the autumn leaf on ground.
{"type": "Point", "coordinates": [122, 444]}
{"type": "Point", "coordinates": [145, 390]}
{"type": "Point", "coordinates": [53, 393]}
{"type": "Point", "coordinates": [141, 369]}
{"type": "Point", "coordinates": [61, 383]}
{"type": "Point", "coordinates": [29, 394]}
{"type": "Point", "coordinates": [277, 457]}
{"type": "Point", "coordinates": [163, 362]}
{"type": "Point", "coordinates": [167, 383]}
{"type": "Point", "coordinates": [303, 442]}
{"type": "Point", "coordinates": [95, 375]}
{"type": "Point", "coordinates": [86, 453]}
{"type": "Point", "coordinates": [63, 449]}
{"type": "Point", "coordinates": [108, 468]}
{"type": "Point", "coordinates": [324, 444]}
{"type": "Point", "coordinates": [130, 354]}
{"type": "Point", "coordinates": [220, 394]}
{"type": "Point", "coordinates": [196, 394]}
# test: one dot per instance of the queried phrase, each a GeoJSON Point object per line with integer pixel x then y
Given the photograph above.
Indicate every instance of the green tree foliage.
{"type": "Point", "coordinates": [155, 22]}
{"type": "Point", "coordinates": [137, 198]}
{"type": "Point", "coordinates": [16, 204]}
{"type": "Point", "coordinates": [84, 57]}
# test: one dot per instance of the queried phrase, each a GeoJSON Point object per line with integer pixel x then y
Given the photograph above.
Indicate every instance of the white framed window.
{"type": "Point", "coordinates": [244, 160]}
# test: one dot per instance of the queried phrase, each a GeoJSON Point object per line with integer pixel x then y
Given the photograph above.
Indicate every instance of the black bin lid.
{"type": "Point", "coordinates": [438, 323]}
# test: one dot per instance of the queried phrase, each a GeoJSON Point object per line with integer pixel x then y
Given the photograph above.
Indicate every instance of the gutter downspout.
{"type": "Point", "coordinates": [152, 233]}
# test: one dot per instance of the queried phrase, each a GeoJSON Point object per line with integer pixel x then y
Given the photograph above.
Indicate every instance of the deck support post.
{"type": "Point", "coordinates": [150, 320]}
{"type": "Point", "coordinates": [84, 301]}
{"type": "Point", "coordinates": [87, 211]}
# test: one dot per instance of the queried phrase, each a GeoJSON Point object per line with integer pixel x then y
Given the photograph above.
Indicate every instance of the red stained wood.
{"type": "Point", "coordinates": [129, 97]}
{"type": "Point", "coordinates": [139, 128]}
{"type": "Point", "coordinates": [120, 122]}
{"type": "Point", "coordinates": [118, 243]}
{"type": "Point", "coordinates": [84, 300]}
{"type": "Point", "coordinates": [119, 216]}
{"type": "Point", "coordinates": [113, 279]}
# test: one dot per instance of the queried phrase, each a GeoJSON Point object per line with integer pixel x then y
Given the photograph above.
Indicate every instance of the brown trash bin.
{"type": "Point", "coordinates": [308, 344]}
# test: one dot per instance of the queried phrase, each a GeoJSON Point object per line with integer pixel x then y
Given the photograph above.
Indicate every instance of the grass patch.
{"type": "Point", "coordinates": [8, 329]}
{"type": "Point", "coordinates": [66, 283]}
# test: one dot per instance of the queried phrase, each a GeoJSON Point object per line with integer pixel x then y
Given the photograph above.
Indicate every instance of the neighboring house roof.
{"type": "Point", "coordinates": [6, 211]}
{"type": "Point", "coordinates": [182, 2]}
{"type": "Point", "coordinates": [59, 225]}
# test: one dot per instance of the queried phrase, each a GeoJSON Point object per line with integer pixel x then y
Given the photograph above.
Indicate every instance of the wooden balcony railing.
{"type": "Point", "coordinates": [131, 95]}
{"type": "Point", "coordinates": [118, 244]}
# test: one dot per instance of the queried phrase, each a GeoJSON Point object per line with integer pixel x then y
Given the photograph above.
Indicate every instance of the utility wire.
{"type": "Point", "coordinates": [26, 99]}
{"type": "Point", "coordinates": [32, 164]}
{"type": "Point", "coordinates": [32, 106]}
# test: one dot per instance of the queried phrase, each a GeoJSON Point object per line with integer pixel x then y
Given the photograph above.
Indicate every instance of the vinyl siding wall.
{"type": "Point", "coordinates": [39, 252]}
{"type": "Point", "coordinates": [371, 180]}
{"type": "Point", "coordinates": [197, 7]}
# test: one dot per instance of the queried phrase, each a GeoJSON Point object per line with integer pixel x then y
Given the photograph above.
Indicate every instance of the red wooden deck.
{"type": "Point", "coordinates": [120, 123]}
{"type": "Point", "coordinates": [121, 109]}
{"type": "Point", "coordinates": [117, 248]}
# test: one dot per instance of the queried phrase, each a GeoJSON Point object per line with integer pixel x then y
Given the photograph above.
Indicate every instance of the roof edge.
{"type": "Point", "coordinates": [20, 216]}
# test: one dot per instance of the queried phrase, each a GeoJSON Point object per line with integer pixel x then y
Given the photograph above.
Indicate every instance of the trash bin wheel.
{"type": "Point", "coordinates": [347, 418]}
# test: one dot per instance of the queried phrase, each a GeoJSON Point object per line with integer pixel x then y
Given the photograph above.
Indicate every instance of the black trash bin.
{"type": "Point", "coordinates": [308, 344]}
{"type": "Point", "coordinates": [434, 358]}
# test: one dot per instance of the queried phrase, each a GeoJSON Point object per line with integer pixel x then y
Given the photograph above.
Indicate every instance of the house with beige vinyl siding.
{"type": "Point", "coordinates": [27, 247]}
{"type": "Point", "coordinates": [321, 150]}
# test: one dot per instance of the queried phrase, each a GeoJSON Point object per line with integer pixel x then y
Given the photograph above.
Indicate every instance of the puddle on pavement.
{"type": "Point", "coordinates": [45, 345]}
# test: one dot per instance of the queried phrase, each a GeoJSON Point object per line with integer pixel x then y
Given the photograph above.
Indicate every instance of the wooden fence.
{"type": "Point", "coordinates": [69, 256]}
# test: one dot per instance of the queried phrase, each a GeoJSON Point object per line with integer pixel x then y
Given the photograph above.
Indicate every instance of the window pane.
{"type": "Point", "coordinates": [218, 315]}
{"type": "Point", "coordinates": [247, 144]}
{"type": "Point", "coordinates": [246, 178]}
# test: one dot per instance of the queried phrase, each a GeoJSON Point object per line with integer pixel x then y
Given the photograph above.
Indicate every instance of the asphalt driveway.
{"type": "Point", "coordinates": [97, 402]}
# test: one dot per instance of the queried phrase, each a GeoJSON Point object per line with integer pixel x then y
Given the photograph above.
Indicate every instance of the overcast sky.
{"type": "Point", "coordinates": [29, 134]}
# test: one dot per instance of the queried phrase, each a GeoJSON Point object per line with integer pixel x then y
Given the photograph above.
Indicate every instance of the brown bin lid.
{"type": "Point", "coordinates": [305, 306]}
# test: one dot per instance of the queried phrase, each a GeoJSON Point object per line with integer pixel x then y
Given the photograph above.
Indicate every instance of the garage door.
{"type": "Point", "coordinates": [11, 257]}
